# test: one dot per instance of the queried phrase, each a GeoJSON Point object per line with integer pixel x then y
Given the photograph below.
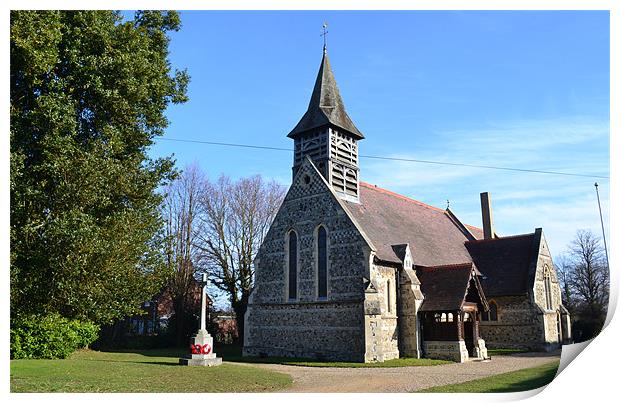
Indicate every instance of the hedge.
{"type": "Point", "coordinates": [50, 336]}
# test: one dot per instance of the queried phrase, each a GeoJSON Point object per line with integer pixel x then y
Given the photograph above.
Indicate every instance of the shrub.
{"type": "Point", "coordinates": [50, 336]}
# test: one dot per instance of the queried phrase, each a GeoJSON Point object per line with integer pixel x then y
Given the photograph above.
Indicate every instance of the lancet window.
{"type": "Point", "coordinates": [292, 265]}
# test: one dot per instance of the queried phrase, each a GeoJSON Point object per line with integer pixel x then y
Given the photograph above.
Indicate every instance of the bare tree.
{"type": "Point", "coordinates": [563, 268]}
{"type": "Point", "coordinates": [589, 273]}
{"type": "Point", "coordinates": [181, 210]}
{"type": "Point", "coordinates": [237, 215]}
{"type": "Point", "coordinates": [584, 276]}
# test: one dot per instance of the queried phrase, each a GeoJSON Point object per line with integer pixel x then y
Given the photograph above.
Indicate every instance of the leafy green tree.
{"type": "Point", "coordinates": [88, 95]}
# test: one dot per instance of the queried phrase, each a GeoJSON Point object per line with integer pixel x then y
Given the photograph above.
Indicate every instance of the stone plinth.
{"type": "Point", "coordinates": [201, 351]}
{"type": "Point", "coordinates": [201, 362]}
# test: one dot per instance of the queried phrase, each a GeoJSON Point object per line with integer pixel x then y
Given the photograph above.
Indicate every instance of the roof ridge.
{"type": "Point", "coordinates": [502, 238]}
{"type": "Point", "coordinates": [448, 266]}
{"type": "Point", "coordinates": [390, 193]}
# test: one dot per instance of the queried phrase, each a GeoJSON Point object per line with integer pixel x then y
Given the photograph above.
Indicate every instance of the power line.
{"type": "Point", "coordinates": [486, 167]}
{"type": "Point", "coordinates": [228, 144]}
{"type": "Point", "coordinates": [398, 159]}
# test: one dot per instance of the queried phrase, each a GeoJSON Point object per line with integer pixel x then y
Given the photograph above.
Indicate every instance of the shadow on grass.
{"type": "Point", "coordinates": [505, 351]}
{"type": "Point", "coordinates": [136, 362]}
{"type": "Point", "coordinates": [170, 364]}
{"type": "Point", "coordinates": [158, 352]}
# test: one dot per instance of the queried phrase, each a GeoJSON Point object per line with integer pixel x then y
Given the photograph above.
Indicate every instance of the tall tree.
{"type": "Point", "coordinates": [88, 95]}
{"type": "Point", "coordinates": [182, 210]}
{"type": "Point", "coordinates": [563, 268]}
{"type": "Point", "coordinates": [589, 274]}
{"type": "Point", "coordinates": [237, 217]}
{"type": "Point", "coordinates": [584, 277]}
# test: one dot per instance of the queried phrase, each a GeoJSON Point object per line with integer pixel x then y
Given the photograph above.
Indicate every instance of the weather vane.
{"type": "Point", "coordinates": [448, 204]}
{"type": "Point", "coordinates": [324, 35]}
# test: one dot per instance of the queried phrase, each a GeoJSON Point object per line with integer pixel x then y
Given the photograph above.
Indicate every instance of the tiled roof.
{"type": "Point", "coordinates": [390, 219]}
{"type": "Point", "coordinates": [444, 287]}
{"type": "Point", "coordinates": [326, 106]}
{"type": "Point", "coordinates": [506, 263]}
{"type": "Point", "coordinates": [475, 231]}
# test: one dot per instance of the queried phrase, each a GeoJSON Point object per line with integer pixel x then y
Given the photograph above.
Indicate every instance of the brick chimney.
{"type": "Point", "coordinates": [487, 216]}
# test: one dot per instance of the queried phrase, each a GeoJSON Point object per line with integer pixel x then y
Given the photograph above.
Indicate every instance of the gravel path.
{"type": "Point", "coordinates": [403, 379]}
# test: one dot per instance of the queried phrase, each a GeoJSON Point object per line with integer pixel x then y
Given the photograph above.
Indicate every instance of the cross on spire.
{"type": "Point", "coordinates": [324, 35]}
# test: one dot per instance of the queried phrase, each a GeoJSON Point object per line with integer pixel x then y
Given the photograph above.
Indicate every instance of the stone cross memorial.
{"type": "Point", "coordinates": [202, 344]}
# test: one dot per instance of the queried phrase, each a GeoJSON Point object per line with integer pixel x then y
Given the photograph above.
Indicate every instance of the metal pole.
{"type": "Point", "coordinates": [602, 226]}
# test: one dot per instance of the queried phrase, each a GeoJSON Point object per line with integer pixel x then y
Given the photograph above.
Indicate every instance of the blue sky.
{"type": "Point", "coordinates": [515, 89]}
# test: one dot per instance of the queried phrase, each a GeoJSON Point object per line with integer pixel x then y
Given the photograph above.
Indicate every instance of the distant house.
{"type": "Point", "coordinates": [159, 310]}
{"type": "Point", "coordinates": [225, 328]}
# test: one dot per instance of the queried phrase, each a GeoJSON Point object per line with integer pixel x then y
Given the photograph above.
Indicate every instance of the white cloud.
{"type": "Point", "coordinates": [560, 220]}
{"type": "Point", "coordinates": [522, 201]}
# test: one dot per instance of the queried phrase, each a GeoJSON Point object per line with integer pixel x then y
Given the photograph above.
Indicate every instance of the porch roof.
{"type": "Point", "coordinates": [444, 287]}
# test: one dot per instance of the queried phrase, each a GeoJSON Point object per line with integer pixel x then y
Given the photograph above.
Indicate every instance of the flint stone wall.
{"type": "Point", "coordinates": [332, 331]}
{"type": "Point", "coordinates": [446, 350]}
{"type": "Point", "coordinates": [551, 316]}
{"type": "Point", "coordinates": [331, 328]}
{"type": "Point", "coordinates": [518, 325]}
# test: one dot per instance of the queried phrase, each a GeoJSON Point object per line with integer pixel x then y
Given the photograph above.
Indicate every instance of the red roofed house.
{"type": "Point", "coordinates": [350, 271]}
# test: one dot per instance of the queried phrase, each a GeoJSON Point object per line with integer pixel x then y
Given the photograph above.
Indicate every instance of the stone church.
{"type": "Point", "coordinates": [350, 271]}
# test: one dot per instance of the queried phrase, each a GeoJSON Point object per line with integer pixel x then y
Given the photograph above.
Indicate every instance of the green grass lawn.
{"type": "Point", "coordinates": [505, 351]}
{"type": "Point", "coordinates": [233, 354]}
{"type": "Point", "coordinates": [145, 371]}
{"type": "Point", "coordinates": [516, 381]}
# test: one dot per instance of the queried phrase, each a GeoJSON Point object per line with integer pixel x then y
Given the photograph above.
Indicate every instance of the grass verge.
{"type": "Point", "coordinates": [148, 371]}
{"type": "Point", "coordinates": [516, 381]}
{"type": "Point", "coordinates": [505, 351]}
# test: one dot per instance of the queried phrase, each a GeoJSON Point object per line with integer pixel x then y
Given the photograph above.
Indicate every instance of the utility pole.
{"type": "Point", "coordinates": [602, 226]}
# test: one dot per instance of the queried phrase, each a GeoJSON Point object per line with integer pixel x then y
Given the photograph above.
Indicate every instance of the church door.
{"type": "Point", "coordinates": [469, 332]}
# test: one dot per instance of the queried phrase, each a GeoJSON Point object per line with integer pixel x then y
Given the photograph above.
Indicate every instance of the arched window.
{"type": "Point", "coordinates": [322, 261]}
{"type": "Point", "coordinates": [493, 311]}
{"type": "Point", "coordinates": [548, 296]}
{"type": "Point", "coordinates": [450, 317]}
{"type": "Point", "coordinates": [388, 295]}
{"type": "Point", "coordinates": [292, 265]}
{"type": "Point", "coordinates": [491, 314]}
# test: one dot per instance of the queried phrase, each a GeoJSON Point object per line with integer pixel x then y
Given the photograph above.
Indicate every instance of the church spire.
{"type": "Point", "coordinates": [327, 135]}
{"type": "Point", "coordinates": [326, 107]}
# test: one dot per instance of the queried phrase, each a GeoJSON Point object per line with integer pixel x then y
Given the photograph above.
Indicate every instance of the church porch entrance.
{"type": "Point", "coordinates": [471, 333]}
{"type": "Point", "coordinates": [443, 335]}
{"type": "Point", "coordinates": [450, 312]}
